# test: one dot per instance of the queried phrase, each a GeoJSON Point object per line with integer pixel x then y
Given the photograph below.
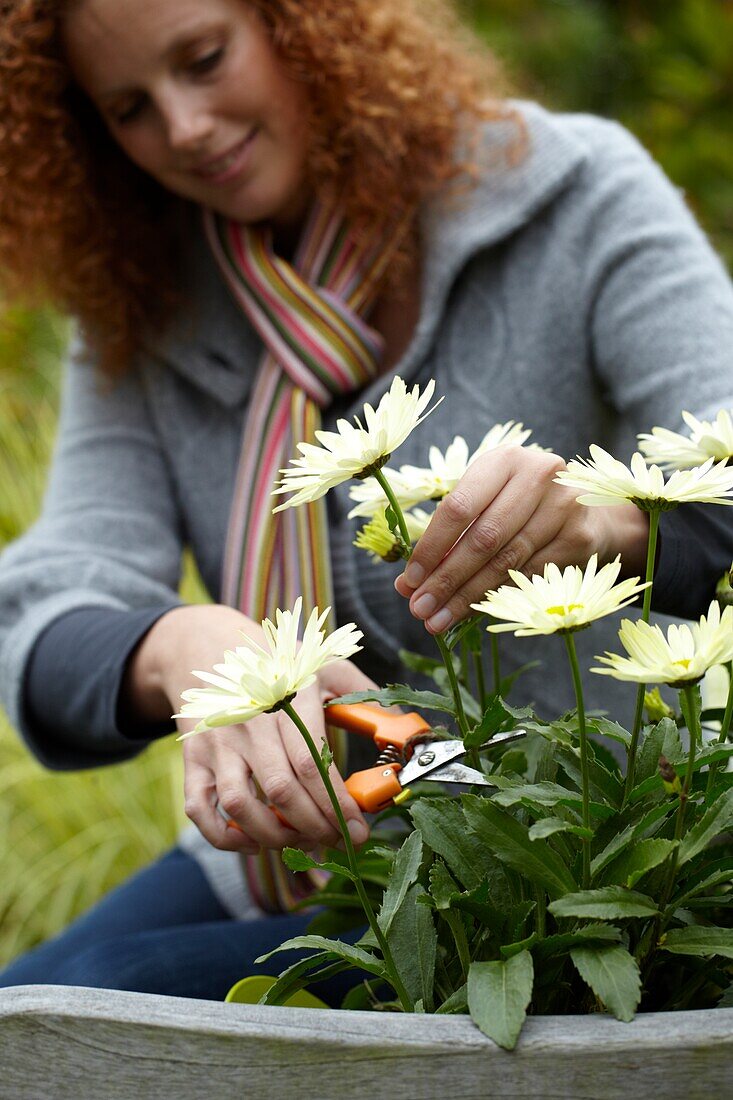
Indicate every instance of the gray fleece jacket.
{"type": "Point", "coordinates": [573, 292]}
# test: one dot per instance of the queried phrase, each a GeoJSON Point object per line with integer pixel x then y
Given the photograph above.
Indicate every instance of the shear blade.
{"type": "Point", "coordinates": [459, 773]}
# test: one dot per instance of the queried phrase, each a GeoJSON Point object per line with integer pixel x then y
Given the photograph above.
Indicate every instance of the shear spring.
{"type": "Point", "coordinates": [390, 755]}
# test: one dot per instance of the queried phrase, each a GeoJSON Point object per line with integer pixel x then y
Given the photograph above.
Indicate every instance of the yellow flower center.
{"type": "Point", "coordinates": [564, 609]}
{"type": "Point", "coordinates": [685, 662]}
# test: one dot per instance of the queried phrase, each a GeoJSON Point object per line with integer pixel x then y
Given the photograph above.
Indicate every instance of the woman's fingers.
{"type": "Point", "coordinates": [283, 777]}
{"type": "Point", "coordinates": [526, 513]}
{"type": "Point", "coordinates": [517, 555]}
{"type": "Point", "coordinates": [476, 490]}
{"type": "Point", "coordinates": [309, 707]}
{"type": "Point", "coordinates": [200, 807]}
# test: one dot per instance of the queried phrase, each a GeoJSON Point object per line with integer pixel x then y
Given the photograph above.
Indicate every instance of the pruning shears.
{"type": "Point", "coordinates": [409, 749]}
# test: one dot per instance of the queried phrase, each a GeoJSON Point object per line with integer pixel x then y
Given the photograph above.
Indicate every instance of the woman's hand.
{"type": "Point", "coordinates": [506, 513]}
{"type": "Point", "coordinates": [223, 764]}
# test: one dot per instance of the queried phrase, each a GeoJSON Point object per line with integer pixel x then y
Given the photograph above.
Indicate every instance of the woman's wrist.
{"type": "Point", "coordinates": [188, 637]}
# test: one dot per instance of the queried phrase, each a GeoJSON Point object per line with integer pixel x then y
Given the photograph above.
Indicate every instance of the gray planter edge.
{"type": "Point", "coordinates": [72, 1044]}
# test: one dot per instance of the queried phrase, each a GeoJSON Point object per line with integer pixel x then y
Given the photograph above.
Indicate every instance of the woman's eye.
{"type": "Point", "coordinates": [207, 62]}
{"type": "Point", "coordinates": [128, 113]}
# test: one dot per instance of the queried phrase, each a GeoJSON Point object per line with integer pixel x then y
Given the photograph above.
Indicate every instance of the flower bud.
{"type": "Point", "coordinates": [655, 706]}
{"type": "Point", "coordinates": [724, 589]}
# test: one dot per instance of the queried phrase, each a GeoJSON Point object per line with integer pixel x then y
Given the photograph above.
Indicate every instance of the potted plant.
{"type": "Point", "coordinates": [564, 890]}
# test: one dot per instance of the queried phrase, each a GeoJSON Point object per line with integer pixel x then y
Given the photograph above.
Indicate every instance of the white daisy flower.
{"type": "Point", "coordinates": [414, 484]}
{"type": "Point", "coordinates": [355, 450]}
{"type": "Point", "coordinates": [605, 480]}
{"type": "Point", "coordinates": [559, 602]}
{"type": "Point", "coordinates": [258, 679]}
{"type": "Point", "coordinates": [681, 658]}
{"type": "Point", "coordinates": [502, 435]}
{"type": "Point", "coordinates": [672, 450]}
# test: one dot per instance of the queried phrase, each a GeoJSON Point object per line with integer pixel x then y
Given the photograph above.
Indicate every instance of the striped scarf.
{"type": "Point", "coordinates": [316, 346]}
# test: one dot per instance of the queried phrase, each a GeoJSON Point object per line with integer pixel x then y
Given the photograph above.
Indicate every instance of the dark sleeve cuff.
{"type": "Point", "coordinates": [74, 717]}
{"type": "Point", "coordinates": [696, 549]}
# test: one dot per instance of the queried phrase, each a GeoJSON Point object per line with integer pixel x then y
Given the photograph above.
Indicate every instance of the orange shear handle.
{"type": "Point", "coordinates": [384, 727]}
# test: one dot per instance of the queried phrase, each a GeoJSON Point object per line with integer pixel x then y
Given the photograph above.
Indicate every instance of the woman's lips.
{"type": "Point", "coordinates": [228, 166]}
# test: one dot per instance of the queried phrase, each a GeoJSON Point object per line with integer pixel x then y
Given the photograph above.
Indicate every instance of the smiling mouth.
{"type": "Point", "coordinates": [220, 166]}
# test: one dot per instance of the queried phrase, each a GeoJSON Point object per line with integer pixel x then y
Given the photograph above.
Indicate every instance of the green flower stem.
{"type": "Point", "coordinates": [387, 489]}
{"type": "Point", "coordinates": [389, 963]}
{"type": "Point", "coordinates": [454, 685]}
{"type": "Point", "coordinates": [585, 776]}
{"type": "Point", "coordinates": [495, 663]}
{"type": "Point", "coordinates": [444, 651]}
{"type": "Point", "coordinates": [480, 681]}
{"type": "Point", "coordinates": [651, 553]}
{"type": "Point", "coordinates": [540, 911]}
{"type": "Point", "coordinates": [689, 710]}
{"type": "Point", "coordinates": [724, 731]}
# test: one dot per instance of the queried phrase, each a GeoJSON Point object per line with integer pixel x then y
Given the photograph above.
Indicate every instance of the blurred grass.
{"type": "Point", "coordinates": [65, 839]}
{"type": "Point", "coordinates": [666, 71]}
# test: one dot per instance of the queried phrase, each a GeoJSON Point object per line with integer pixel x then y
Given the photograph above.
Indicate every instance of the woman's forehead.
{"type": "Point", "coordinates": [112, 39]}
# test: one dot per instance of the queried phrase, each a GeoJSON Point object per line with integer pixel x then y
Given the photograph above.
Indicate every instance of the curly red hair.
{"type": "Point", "coordinates": [391, 82]}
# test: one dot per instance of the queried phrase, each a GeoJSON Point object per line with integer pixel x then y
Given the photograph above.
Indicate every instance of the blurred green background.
{"type": "Point", "coordinates": [664, 69]}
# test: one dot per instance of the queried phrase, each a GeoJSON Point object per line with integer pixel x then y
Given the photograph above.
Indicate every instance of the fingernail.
{"type": "Point", "coordinates": [414, 574]}
{"type": "Point", "coordinates": [441, 621]}
{"type": "Point", "coordinates": [358, 831]}
{"type": "Point", "coordinates": [425, 606]}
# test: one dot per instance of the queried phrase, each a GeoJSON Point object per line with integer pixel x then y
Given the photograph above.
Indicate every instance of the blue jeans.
{"type": "Point", "coordinates": [165, 932]}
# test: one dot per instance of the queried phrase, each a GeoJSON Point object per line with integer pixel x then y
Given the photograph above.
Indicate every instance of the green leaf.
{"type": "Point", "coordinates": [493, 719]}
{"type": "Point", "coordinates": [547, 826]}
{"type": "Point", "coordinates": [404, 874]}
{"type": "Point", "coordinates": [604, 727]}
{"type": "Point", "coordinates": [508, 839]}
{"type": "Point", "coordinates": [604, 787]}
{"type": "Point", "coordinates": [426, 666]}
{"type": "Point", "coordinates": [442, 826]}
{"type": "Point", "coordinates": [346, 951]}
{"type": "Point", "coordinates": [581, 937]}
{"type": "Point", "coordinates": [607, 903]}
{"type": "Point", "coordinates": [498, 996]}
{"type": "Point", "coordinates": [715, 821]}
{"type": "Point", "coordinates": [624, 838]}
{"type": "Point", "coordinates": [453, 636]}
{"type": "Point", "coordinates": [443, 887]}
{"type": "Point", "coordinates": [326, 755]}
{"type": "Point", "coordinates": [509, 950]}
{"type": "Point", "coordinates": [634, 863]}
{"type": "Point", "coordinates": [663, 739]}
{"type": "Point", "coordinates": [613, 975]}
{"type": "Point", "coordinates": [296, 860]}
{"type": "Point", "coordinates": [456, 1003]}
{"type": "Point", "coordinates": [295, 977]}
{"type": "Point", "coordinates": [399, 695]}
{"type": "Point", "coordinates": [414, 943]}
{"type": "Point", "coordinates": [698, 940]}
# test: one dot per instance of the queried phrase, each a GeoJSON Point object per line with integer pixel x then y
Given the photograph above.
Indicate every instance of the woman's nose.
{"type": "Point", "coordinates": [188, 123]}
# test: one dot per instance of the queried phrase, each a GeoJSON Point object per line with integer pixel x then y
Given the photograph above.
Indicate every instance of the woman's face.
{"type": "Point", "coordinates": [195, 95]}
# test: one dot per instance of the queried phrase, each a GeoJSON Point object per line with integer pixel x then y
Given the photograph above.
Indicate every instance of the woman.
{"type": "Point", "coordinates": [353, 158]}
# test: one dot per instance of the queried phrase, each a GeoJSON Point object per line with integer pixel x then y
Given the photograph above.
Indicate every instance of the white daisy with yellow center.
{"type": "Point", "coordinates": [255, 679]}
{"type": "Point", "coordinates": [707, 439]}
{"type": "Point", "coordinates": [559, 601]}
{"type": "Point", "coordinates": [355, 450]}
{"type": "Point", "coordinates": [606, 481]}
{"type": "Point", "coordinates": [680, 658]}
